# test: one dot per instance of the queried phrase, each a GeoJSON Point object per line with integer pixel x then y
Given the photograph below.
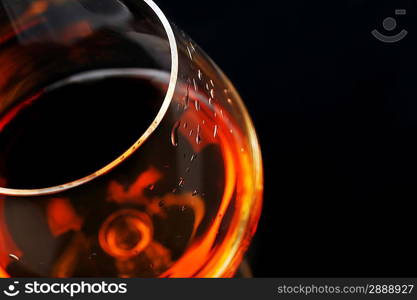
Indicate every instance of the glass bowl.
{"type": "Point", "coordinates": [124, 150]}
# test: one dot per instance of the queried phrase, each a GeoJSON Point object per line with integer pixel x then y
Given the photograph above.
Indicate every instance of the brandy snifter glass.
{"type": "Point", "coordinates": [124, 150]}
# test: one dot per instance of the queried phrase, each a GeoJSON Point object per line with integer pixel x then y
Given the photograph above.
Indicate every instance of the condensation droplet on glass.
{"type": "Point", "coordinates": [189, 53]}
{"type": "Point", "coordinates": [242, 149]}
{"type": "Point", "coordinates": [198, 136]}
{"type": "Point", "coordinates": [187, 97]}
{"type": "Point", "coordinates": [191, 132]}
{"type": "Point", "coordinates": [181, 182]}
{"type": "Point", "coordinates": [193, 157]}
{"type": "Point", "coordinates": [210, 101]}
{"type": "Point", "coordinates": [195, 193]}
{"type": "Point", "coordinates": [192, 46]}
{"type": "Point", "coordinates": [200, 75]}
{"type": "Point", "coordinates": [15, 257]}
{"type": "Point", "coordinates": [212, 82]}
{"type": "Point", "coordinates": [229, 101]}
{"type": "Point", "coordinates": [197, 105]}
{"type": "Point", "coordinates": [212, 93]}
{"type": "Point", "coordinates": [203, 122]}
{"type": "Point", "coordinates": [207, 87]}
{"type": "Point", "coordinates": [151, 187]}
{"type": "Point", "coordinates": [183, 208]}
{"type": "Point", "coordinates": [216, 129]}
{"type": "Point", "coordinates": [185, 125]}
{"type": "Point", "coordinates": [195, 85]}
{"type": "Point", "coordinates": [174, 134]}
{"type": "Point", "coordinates": [198, 139]}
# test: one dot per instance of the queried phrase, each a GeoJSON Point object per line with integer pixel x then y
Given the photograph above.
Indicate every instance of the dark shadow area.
{"type": "Point", "coordinates": [336, 113]}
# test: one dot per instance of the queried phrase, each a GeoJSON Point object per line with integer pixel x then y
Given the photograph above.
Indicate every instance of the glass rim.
{"type": "Point", "coordinates": [155, 123]}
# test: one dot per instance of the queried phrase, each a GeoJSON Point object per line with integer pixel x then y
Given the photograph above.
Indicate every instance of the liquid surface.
{"type": "Point", "coordinates": [72, 129]}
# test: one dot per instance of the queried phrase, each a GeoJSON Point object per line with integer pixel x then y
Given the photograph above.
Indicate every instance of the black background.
{"type": "Point", "coordinates": [336, 114]}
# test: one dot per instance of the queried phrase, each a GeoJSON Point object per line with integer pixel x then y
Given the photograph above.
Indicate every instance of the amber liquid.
{"type": "Point", "coordinates": [165, 211]}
